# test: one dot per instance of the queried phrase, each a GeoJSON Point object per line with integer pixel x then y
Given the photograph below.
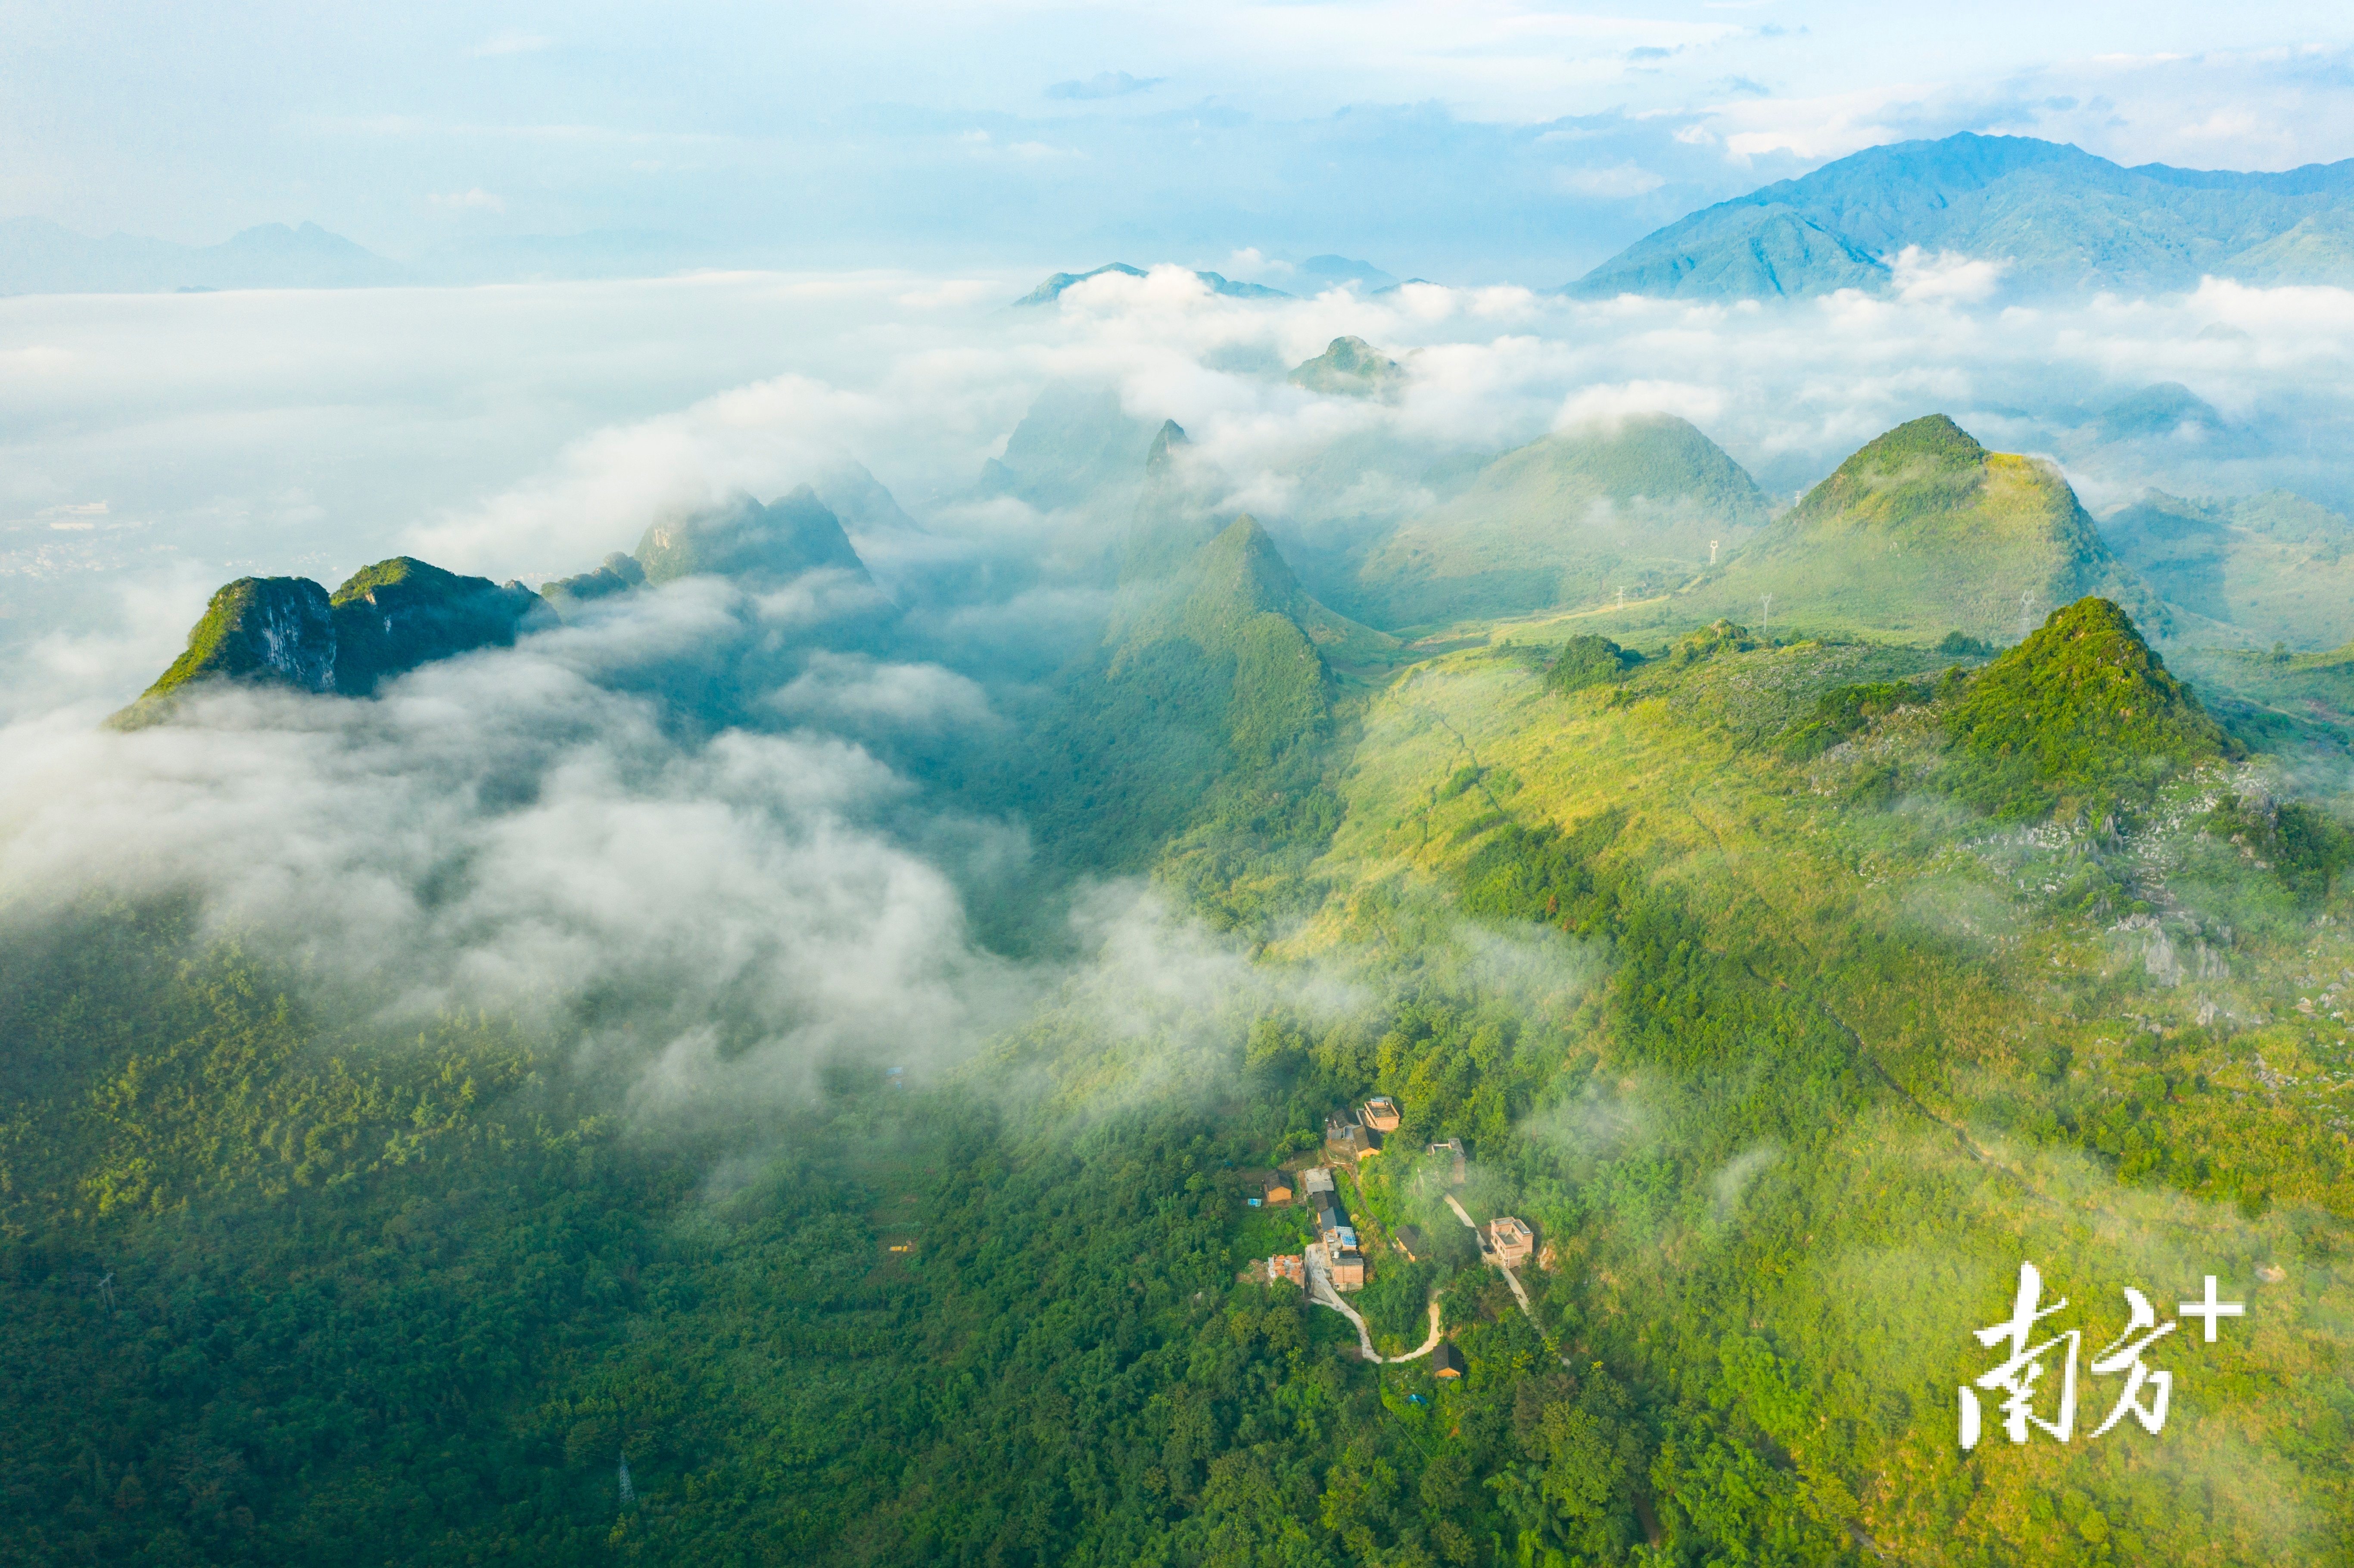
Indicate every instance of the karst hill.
{"type": "Point", "coordinates": [1565, 521]}
{"type": "Point", "coordinates": [1921, 532]}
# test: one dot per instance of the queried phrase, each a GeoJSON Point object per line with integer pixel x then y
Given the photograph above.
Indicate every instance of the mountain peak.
{"type": "Point", "coordinates": [403, 612]}
{"type": "Point", "coordinates": [742, 538]}
{"type": "Point", "coordinates": [2081, 714]}
{"type": "Point", "coordinates": [1051, 287]}
{"type": "Point", "coordinates": [1921, 532]}
{"type": "Point", "coordinates": [2065, 221]}
{"type": "Point", "coordinates": [1244, 564]}
{"type": "Point", "coordinates": [1922, 467]}
{"type": "Point", "coordinates": [1635, 502]}
{"type": "Point", "coordinates": [1934, 437]}
{"type": "Point", "coordinates": [1349, 367]}
{"type": "Point", "coordinates": [290, 631]}
{"type": "Point", "coordinates": [1170, 438]}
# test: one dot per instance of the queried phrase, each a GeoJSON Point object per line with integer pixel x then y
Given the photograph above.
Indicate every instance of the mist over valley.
{"type": "Point", "coordinates": [1195, 908]}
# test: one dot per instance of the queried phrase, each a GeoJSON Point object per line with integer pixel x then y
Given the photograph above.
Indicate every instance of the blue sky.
{"type": "Point", "coordinates": [1487, 139]}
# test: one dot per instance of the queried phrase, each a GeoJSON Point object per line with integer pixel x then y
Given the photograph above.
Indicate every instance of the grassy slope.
{"type": "Point", "coordinates": [1837, 1061]}
{"type": "Point", "coordinates": [1921, 532]}
{"type": "Point", "coordinates": [2270, 567]}
{"type": "Point", "coordinates": [2005, 1073]}
{"type": "Point", "coordinates": [2287, 700]}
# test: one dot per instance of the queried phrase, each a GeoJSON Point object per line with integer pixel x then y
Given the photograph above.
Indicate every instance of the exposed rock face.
{"type": "Point", "coordinates": [270, 631]}
{"type": "Point", "coordinates": [281, 631]}
{"type": "Point", "coordinates": [762, 546]}
{"type": "Point", "coordinates": [290, 631]}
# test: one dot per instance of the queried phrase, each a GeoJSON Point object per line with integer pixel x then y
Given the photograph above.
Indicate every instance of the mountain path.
{"type": "Point", "coordinates": [1320, 1291]}
{"type": "Point", "coordinates": [1520, 1292]}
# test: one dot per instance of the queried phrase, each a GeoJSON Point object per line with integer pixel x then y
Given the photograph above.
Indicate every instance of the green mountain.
{"type": "Point", "coordinates": [762, 546]}
{"type": "Point", "coordinates": [397, 614]}
{"type": "Point", "coordinates": [1197, 733]}
{"type": "Point", "coordinates": [2063, 220]}
{"type": "Point", "coordinates": [273, 630]}
{"type": "Point", "coordinates": [1793, 996]}
{"type": "Point", "coordinates": [1237, 577]}
{"type": "Point", "coordinates": [2080, 716]}
{"type": "Point", "coordinates": [1349, 367]}
{"type": "Point", "coordinates": [1175, 515]}
{"type": "Point", "coordinates": [1789, 1057]}
{"type": "Point", "coordinates": [1642, 503]}
{"type": "Point", "coordinates": [388, 619]}
{"type": "Point", "coordinates": [1050, 289]}
{"type": "Point", "coordinates": [1075, 442]}
{"type": "Point", "coordinates": [2167, 411]}
{"type": "Point", "coordinates": [1236, 606]}
{"type": "Point", "coordinates": [618, 574]}
{"type": "Point", "coordinates": [1921, 532]}
{"type": "Point", "coordinates": [2265, 568]}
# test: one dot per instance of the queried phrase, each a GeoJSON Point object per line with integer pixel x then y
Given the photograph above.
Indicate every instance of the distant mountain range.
{"type": "Point", "coordinates": [1051, 288]}
{"type": "Point", "coordinates": [2062, 219]}
{"type": "Point", "coordinates": [38, 257]}
{"type": "Point", "coordinates": [1318, 273]}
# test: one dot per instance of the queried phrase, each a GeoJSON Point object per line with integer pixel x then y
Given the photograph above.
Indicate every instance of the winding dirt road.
{"type": "Point", "coordinates": [1320, 1291]}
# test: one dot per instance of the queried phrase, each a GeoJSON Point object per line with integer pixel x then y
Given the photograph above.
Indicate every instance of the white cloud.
{"type": "Point", "coordinates": [854, 689]}
{"type": "Point", "coordinates": [1607, 404]}
{"type": "Point", "coordinates": [1105, 84]}
{"type": "Point", "coordinates": [1617, 180]}
{"type": "Point", "coordinates": [1251, 264]}
{"type": "Point", "coordinates": [1925, 278]}
{"type": "Point", "coordinates": [474, 200]}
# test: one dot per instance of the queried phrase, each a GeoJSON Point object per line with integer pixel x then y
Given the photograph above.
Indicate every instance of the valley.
{"type": "Point", "coordinates": [1794, 984]}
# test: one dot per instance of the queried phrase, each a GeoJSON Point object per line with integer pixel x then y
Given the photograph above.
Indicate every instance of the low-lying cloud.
{"type": "Point", "coordinates": [531, 827]}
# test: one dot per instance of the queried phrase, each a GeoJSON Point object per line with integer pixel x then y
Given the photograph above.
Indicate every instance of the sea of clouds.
{"type": "Point", "coordinates": [530, 830]}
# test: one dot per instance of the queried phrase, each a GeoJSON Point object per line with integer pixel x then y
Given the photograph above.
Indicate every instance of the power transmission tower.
{"type": "Point", "coordinates": [1765, 615]}
{"type": "Point", "coordinates": [1711, 552]}
{"type": "Point", "coordinates": [2025, 613]}
{"type": "Point", "coordinates": [628, 1493]}
{"type": "Point", "coordinates": [1622, 595]}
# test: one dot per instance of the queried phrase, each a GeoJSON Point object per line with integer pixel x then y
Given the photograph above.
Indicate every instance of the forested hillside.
{"type": "Point", "coordinates": [1794, 993]}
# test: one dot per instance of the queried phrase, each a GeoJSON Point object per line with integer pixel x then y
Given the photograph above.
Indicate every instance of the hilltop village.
{"type": "Point", "coordinates": [1335, 1262]}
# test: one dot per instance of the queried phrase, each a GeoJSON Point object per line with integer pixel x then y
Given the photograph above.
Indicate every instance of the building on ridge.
{"type": "Point", "coordinates": [1381, 1114]}
{"type": "Point", "coordinates": [1447, 1362]}
{"type": "Point", "coordinates": [1451, 1146]}
{"type": "Point", "coordinates": [1510, 1242]}
{"type": "Point", "coordinates": [1346, 1138]}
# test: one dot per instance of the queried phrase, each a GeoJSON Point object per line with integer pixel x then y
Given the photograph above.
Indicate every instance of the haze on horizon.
{"type": "Point", "coordinates": [1507, 140]}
